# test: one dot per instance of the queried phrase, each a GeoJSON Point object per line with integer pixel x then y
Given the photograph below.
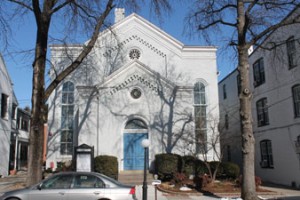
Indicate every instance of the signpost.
{"type": "Point", "coordinates": [156, 183]}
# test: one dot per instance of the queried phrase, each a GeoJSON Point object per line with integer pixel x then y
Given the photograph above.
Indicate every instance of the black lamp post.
{"type": "Point", "coordinates": [145, 144]}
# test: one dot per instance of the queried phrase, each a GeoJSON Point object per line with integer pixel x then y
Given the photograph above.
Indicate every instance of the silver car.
{"type": "Point", "coordinates": [74, 186]}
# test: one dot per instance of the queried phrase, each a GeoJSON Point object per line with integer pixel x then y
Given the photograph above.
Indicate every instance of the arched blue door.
{"type": "Point", "coordinates": [135, 132]}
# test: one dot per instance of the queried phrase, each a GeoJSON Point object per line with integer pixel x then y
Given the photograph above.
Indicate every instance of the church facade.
{"type": "Point", "coordinates": [138, 82]}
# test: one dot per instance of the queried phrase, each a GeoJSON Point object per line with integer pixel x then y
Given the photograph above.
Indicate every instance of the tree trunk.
{"type": "Point", "coordinates": [248, 141]}
{"type": "Point", "coordinates": [36, 135]}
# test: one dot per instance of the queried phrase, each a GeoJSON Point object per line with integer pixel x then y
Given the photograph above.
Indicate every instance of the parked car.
{"type": "Point", "coordinates": [74, 186]}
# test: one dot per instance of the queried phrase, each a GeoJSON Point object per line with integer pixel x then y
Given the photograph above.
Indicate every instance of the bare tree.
{"type": "Point", "coordinates": [174, 120]}
{"type": "Point", "coordinates": [201, 146]}
{"type": "Point", "coordinates": [251, 21]}
{"type": "Point", "coordinates": [84, 15]}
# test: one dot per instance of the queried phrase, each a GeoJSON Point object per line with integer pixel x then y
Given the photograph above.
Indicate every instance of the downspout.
{"type": "Point", "coordinates": [98, 126]}
{"type": "Point", "coordinates": [16, 150]}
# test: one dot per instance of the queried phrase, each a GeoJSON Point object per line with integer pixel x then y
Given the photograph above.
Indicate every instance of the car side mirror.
{"type": "Point", "coordinates": [107, 186]}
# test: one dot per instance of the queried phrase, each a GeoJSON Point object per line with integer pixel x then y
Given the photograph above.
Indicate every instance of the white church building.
{"type": "Point", "coordinates": [138, 82]}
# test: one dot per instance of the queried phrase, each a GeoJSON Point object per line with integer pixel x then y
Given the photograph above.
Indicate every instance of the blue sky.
{"type": "Point", "coordinates": [23, 37]}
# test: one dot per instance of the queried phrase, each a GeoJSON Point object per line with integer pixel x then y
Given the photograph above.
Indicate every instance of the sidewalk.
{"type": "Point", "coordinates": [277, 192]}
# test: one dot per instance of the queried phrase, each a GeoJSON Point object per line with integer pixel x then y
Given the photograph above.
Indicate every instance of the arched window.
{"type": "Point", "coordinates": [200, 117]}
{"type": "Point", "coordinates": [136, 124]}
{"type": "Point", "coordinates": [199, 94]}
{"type": "Point", "coordinates": [67, 118]}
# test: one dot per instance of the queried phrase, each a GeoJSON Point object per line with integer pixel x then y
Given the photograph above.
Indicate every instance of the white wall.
{"type": "Point", "coordinates": [5, 124]}
{"type": "Point", "coordinates": [283, 127]}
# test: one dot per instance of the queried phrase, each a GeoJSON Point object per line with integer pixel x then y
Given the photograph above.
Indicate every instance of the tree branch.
{"type": "Point", "coordinates": [22, 4]}
{"type": "Point", "coordinates": [215, 23]}
{"type": "Point", "coordinates": [87, 49]}
{"type": "Point", "coordinates": [275, 27]}
{"type": "Point", "coordinates": [57, 8]}
{"type": "Point", "coordinates": [36, 10]}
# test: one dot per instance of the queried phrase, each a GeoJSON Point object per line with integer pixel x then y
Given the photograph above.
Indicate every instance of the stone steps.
{"type": "Point", "coordinates": [134, 177]}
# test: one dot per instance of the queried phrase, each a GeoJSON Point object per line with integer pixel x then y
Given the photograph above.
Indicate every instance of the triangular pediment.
{"type": "Point", "coordinates": [136, 28]}
{"type": "Point", "coordinates": [132, 73]}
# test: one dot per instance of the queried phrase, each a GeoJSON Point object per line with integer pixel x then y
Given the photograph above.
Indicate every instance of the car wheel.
{"type": "Point", "coordinates": [13, 199]}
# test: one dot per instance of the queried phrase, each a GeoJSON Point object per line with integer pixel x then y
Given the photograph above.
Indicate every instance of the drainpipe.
{"type": "Point", "coordinates": [16, 150]}
{"type": "Point", "coordinates": [97, 126]}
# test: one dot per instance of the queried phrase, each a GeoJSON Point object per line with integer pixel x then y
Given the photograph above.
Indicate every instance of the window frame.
{"type": "Point", "coordinates": [266, 153]}
{"type": "Point", "coordinates": [4, 106]}
{"type": "Point", "coordinates": [291, 52]}
{"type": "Point", "coordinates": [14, 111]}
{"type": "Point", "coordinates": [224, 92]}
{"type": "Point", "coordinates": [258, 72]}
{"type": "Point", "coordinates": [67, 119]}
{"type": "Point", "coordinates": [226, 123]}
{"type": "Point", "coordinates": [262, 112]}
{"type": "Point", "coordinates": [296, 102]}
{"type": "Point", "coordinates": [200, 114]}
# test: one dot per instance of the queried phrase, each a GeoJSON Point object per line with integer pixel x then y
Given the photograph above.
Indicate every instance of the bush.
{"type": "Point", "coordinates": [200, 168]}
{"type": "Point", "coordinates": [107, 165]}
{"type": "Point", "coordinates": [230, 170]}
{"type": "Point", "coordinates": [64, 166]}
{"type": "Point", "coordinates": [214, 165]}
{"type": "Point", "coordinates": [188, 165]}
{"type": "Point", "coordinates": [166, 165]}
{"type": "Point", "coordinates": [226, 170]}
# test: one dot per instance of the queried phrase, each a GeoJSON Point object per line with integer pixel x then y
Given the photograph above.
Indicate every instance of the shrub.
{"type": "Point", "coordinates": [166, 165]}
{"type": "Point", "coordinates": [64, 166]}
{"type": "Point", "coordinates": [200, 168]}
{"type": "Point", "coordinates": [230, 170]}
{"type": "Point", "coordinates": [188, 165]}
{"type": "Point", "coordinates": [226, 170]}
{"type": "Point", "coordinates": [107, 165]}
{"type": "Point", "coordinates": [214, 165]}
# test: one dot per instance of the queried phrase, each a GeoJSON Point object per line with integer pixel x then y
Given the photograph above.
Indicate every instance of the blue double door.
{"type": "Point", "coordinates": [133, 151]}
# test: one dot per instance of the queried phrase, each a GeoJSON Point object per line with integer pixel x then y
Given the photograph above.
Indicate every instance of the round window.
{"type": "Point", "coordinates": [136, 93]}
{"type": "Point", "coordinates": [134, 54]}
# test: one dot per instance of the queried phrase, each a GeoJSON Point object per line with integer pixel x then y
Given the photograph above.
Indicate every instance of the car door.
{"type": "Point", "coordinates": [54, 188]}
{"type": "Point", "coordinates": [87, 187]}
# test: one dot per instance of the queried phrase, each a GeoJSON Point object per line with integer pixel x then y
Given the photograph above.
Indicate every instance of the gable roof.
{"type": "Point", "coordinates": [137, 28]}
{"type": "Point", "coordinates": [142, 31]}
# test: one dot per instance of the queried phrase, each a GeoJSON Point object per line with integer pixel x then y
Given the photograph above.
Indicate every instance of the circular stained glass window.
{"type": "Point", "coordinates": [136, 93]}
{"type": "Point", "coordinates": [134, 54]}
